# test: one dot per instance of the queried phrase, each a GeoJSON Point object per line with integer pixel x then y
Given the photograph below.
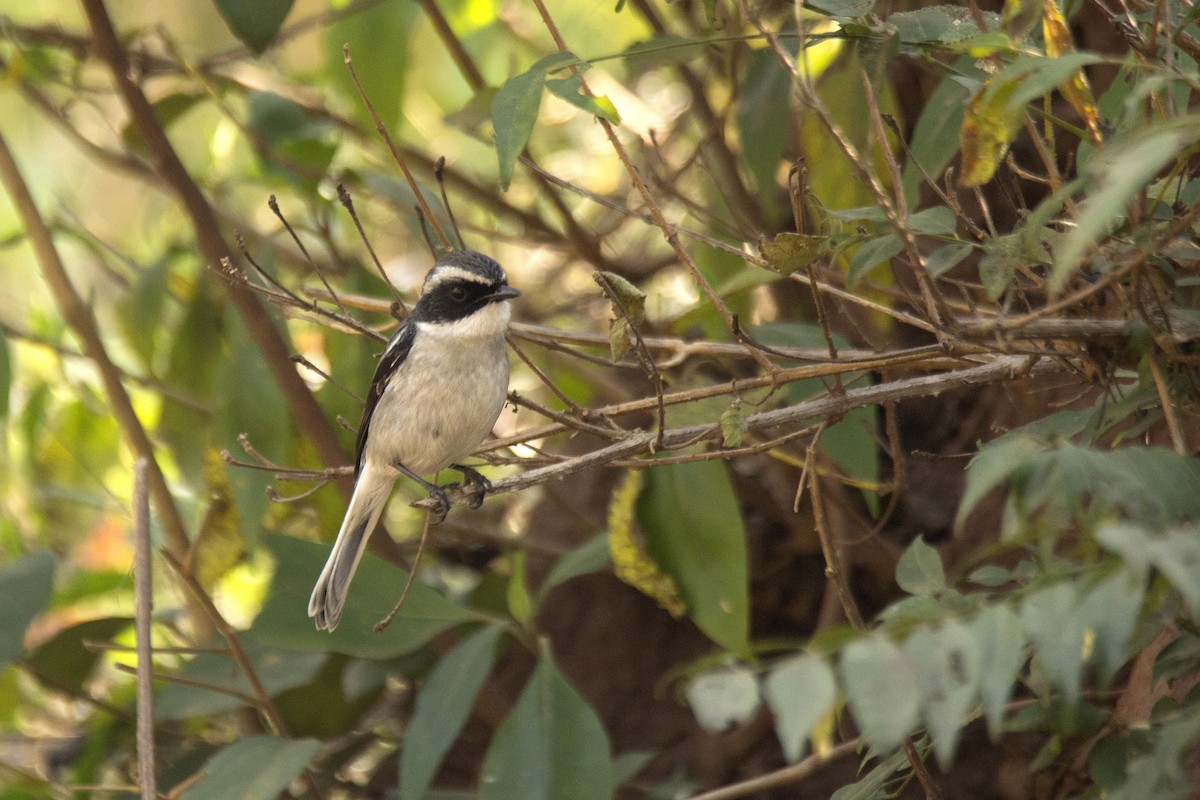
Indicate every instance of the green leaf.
{"type": "Point", "coordinates": [628, 301]}
{"type": "Point", "coordinates": [520, 603]}
{"type": "Point", "coordinates": [141, 310]}
{"type": "Point", "coordinates": [1113, 177]}
{"type": "Point", "coordinates": [1159, 774]}
{"type": "Point", "coordinates": [192, 363]}
{"type": "Point", "coordinates": [790, 252]}
{"type": "Point", "coordinates": [550, 746]}
{"type": "Point", "coordinates": [255, 24]}
{"type": "Point", "coordinates": [874, 785]}
{"type": "Point", "coordinates": [764, 117]}
{"type": "Point", "coordinates": [64, 663]}
{"type": "Point", "coordinates": [1109, 613]}
{"type": "Point", "coordinates": [591, 556]}
{"type": "Point", "coordinates": [1050, 620]}
{"type": "Point", "coordinates": [919, 570]}
{"type": "Point", "coordinates": [255, 411]}
{"type": "Point", "coordinates": [515, 110]}
{"type": "Point", "coordinates": [994, 464]}
{"type": "Point", "coordinates": [5, 375]}
{"type": "Point", "coordinates": [723, 697]}
{"type": "Point", "coordinates": [570, 89]}
{"type": "Point", "coordinates": [934, 221]}
{"type": "Point", "coordinates": [882, 690]}
{"type": "Point", "coordinates": [694, 531]}
{"type": "Point", "coordinates": [284, 622]}
{"type": "Point", "coordinates": [1001, 647]}
{"type": "Point", "coordinates": [949, 666]}
{"type": "Point", "coordinates": [277, 670]}
{"type": "Point", "coordinates": [443, 705]}
{"type": "Point", "coordinates": [1174, 551]}
{"type": "Point", "coordinates": [801, 692]}
{"type": "Point", "coordinates": [935, 137]}
{"type": "Point", "coordinates": [25, 588]}
{"type": "Point", "coordinates": [381, 43]}
{"type": "Point", "coordinates": [257, 768]}
{"type": "Point", "coordinates": [871, 254]}
{"type": "Point", "coordinates": [844, 9]}
{"type": "Point", "coordinates": [946, 258]}
{"type": "Point", "coordinates": [733, 425]}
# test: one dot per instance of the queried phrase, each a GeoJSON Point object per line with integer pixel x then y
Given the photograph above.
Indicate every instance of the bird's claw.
{"type": "Point", "coordinates": [438, 515]}
{"type": "Point", "coordinates": [475, 485]}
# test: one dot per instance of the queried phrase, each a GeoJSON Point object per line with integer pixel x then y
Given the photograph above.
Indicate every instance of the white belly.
{"type": "Point", "coordinates": [428, 425]}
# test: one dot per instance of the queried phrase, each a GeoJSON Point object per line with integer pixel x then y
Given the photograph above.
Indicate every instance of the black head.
{"type": "Point", "coordinates": [460, 284]}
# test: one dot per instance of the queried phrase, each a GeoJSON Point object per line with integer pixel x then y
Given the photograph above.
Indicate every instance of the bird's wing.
{"type": "Point", "coordinates": [397, 350]}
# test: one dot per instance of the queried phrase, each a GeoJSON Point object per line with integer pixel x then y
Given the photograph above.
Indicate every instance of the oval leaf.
{"type": "Point", "coordinates": [284, 623]}
{"type": "Point", "coordinates": [723, 697]}
{"type": "Point", "coordinates": [694, 531]}
{"type": "Point", "coordinates": [442, 708]}
{"type": "Point", "coordinates": [551, 746]}
{"type": "Point", "coordinates": [800, 692]}
{"type": "Point", "coordinates": [254, 24]}
{"type": "Point", "coordinates": [258, 768]}
{"type": "Point", "coordinates": [24, 592]}
{"type": "Point", "coordinates": [882, 690]}
{"type": "Point", "coordinates": [919, 571]}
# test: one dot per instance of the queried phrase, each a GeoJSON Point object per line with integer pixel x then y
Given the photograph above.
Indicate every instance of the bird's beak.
{"type": "Point", "coordinates": [505, 292]}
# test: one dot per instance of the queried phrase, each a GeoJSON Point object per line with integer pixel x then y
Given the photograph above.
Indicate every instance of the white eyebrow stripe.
{"type": "Point", "coordinates": [446, 273]}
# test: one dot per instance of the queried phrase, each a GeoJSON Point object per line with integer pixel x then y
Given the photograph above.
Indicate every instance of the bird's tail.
{"type": "Point", "coordinates": [370, 495]}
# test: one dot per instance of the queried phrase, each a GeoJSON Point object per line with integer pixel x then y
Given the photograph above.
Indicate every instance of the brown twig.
{"type": "Point", "coordinates": [79, 318]}
{"type": "Point", "coordinates": [301, 403]}
{"type": "Point", "coordinates": [639, 443]}
{"type": "Point", "coordinates": [382, 130]}
{"type": "Point", "coordinates": [143, 591]}
{"type": "Point", "coordinates": [668, 230]}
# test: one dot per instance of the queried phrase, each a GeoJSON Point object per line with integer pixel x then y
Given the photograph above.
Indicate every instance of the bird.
{"type": "Point", "coordinates": [440, 385]}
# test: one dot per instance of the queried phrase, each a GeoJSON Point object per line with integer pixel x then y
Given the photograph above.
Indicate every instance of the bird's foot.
{"type": "Point", "coordinates": [475, 485]}
{"type": "Point", "coordinates": [437, 515]}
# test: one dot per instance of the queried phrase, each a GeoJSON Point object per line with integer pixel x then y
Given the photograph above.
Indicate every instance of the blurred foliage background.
{"type": "Point", "coordinates": [851, 444]}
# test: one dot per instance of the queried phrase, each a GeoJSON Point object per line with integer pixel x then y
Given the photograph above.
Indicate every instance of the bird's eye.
{"type": "Point", "coordinates": [458, 293]}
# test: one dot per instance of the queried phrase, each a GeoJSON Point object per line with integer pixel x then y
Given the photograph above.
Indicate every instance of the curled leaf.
{"type": "Point", "coordinates": [1076, 89]}
{"type": "Point", "coordinates": [620, 337]}
{"type": "Point", "coordinates": [631, 563]}
{"type": "Point", "coordinates": [790, 252]}
{"type": "Point", "coordinates": [629, 302]}
{"type": "Point", "coordinates": [990, 123]}
{"type": "Point", "coordinates": [733, 424]}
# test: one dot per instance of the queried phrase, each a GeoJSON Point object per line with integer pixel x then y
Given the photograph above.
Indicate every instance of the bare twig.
{"type": "Point", "coordinates": [144, 601]}
{"type": "Point", "coordinates": [382, 130]}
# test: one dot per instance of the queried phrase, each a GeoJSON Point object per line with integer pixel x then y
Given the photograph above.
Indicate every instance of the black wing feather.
{"type": "Point", "coordinates": [397, 350]}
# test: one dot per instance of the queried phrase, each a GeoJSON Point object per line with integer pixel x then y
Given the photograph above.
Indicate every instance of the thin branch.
{"type": "Point", "coordinates": [640, 443]}
{"type": "Point", "coordinates": [382, 130]}
{"type": "Point", "coordinates": [79, 317]}
{"type": "Point", "coordinates": [143, 592]}
{"type": "Point", "coordinates": [301, 403]}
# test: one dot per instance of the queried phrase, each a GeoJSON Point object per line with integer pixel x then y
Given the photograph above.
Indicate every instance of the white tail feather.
{"type": "Point", "coordinates": [371, 492]}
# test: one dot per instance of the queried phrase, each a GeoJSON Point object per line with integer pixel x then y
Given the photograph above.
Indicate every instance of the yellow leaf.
{"type": "Point", "coordinates": [989, 126]}
{"type": "Point", "coordinates": [790, 252]}
{"type": "Point", "coordinates": [1077, 90]}
{"type": "Point", "coordinates": [631, 563]}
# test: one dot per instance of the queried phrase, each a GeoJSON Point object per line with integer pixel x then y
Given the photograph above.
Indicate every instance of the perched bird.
{"type": "Point", "coordinates": [436, 394]}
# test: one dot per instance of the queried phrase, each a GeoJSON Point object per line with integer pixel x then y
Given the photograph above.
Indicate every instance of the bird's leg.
{"type": "Point", "coordinates": [434, 490]}
{"type": "Point", "coordinates": [475, 484]}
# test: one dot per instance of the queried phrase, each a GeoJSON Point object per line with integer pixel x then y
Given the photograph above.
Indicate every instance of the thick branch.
{"type": "Point", "coordinates": [79, 317]}
{"type": "Point", "coordinates": [213, 248]}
